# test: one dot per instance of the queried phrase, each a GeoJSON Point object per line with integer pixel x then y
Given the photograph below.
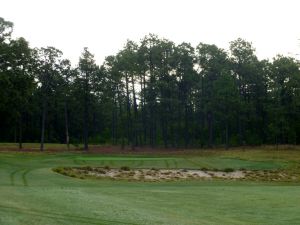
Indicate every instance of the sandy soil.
{"type": "Point", "coordinates": [157, 175]}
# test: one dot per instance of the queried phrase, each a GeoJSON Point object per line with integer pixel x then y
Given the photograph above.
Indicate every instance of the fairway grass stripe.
{"type": "Point", "coordinates": [193, 162]}
{"type": "Point", "coordinates": [24, 177]}
{"type": "Point", "coordinates": [111, 163]}
{"type": "Point", "coordinates": [176, 164]}
{"type": "Point", "coordinates": [167, 164]}
{"type": "Point", "coordinates": [12, 176]}
{"type": "Point", "coordinates": [172, 164]}
{"type": "Point", "coordinates": [129, 163]}
{"type": "Point", "coordinates": [76, 161]}
{"type": "Point", "coordinates": [140, 163]}
{"type": "Point", "coordinates": [58, 216]}
{"type": "Point", "coordinates": [134, 163]}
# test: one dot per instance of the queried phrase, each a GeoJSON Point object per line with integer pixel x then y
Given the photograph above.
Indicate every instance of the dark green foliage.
{"type": "Point", "coordinates": [228, 170]}
{"type": "Point", "coordinates": [125, 168]}
{"type": "Point", "coordinates": [152, 93]}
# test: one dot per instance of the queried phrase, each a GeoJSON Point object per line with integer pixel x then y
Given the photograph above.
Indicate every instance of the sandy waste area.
{"type": "Point", "coordinates": [159, 174]}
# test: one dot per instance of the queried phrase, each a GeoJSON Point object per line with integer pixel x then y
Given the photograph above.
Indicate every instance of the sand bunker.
{"type": "Point", "coordinates": [152, 174]}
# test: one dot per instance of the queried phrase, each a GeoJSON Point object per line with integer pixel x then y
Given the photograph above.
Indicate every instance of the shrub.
{"type": "Point", "coordinates": [132, 173]}
{"type": "Point", "coordinates": [125, 168]}
{"type": "Point", "coordinates": [101, 171]}
{"type": "Point", "coordinates": [58, 170]}
{"type": "Point", "coordinates": [227, 170]}
{"type": "Point", "coordinates": [107, 167]}
{"type": "Point", "coordinates": [88, 168]}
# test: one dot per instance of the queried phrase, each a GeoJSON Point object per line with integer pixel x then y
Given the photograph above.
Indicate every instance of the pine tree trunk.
{"type": "Point", "coordinates": [210, 129]}
{"type": "Point", "coordinates": [134, 127]}
{"type": "Point", "coordinates": [43, 124]}
{"type": "Point", "coordinates": [15, 132]}
{"type": "Point", "coordinates": [129, 120]}
{"type": "Point", "coordinates": [121, 120]}
{"type": "Point", "coordinates": [85, 115]}
{"type": "Point", "coordinates": [143, 87]}
{"type": "Point", "coordinates": [67, 125]}
{"type": "Point", "coordinates": [20, 132]}
{"type": "Point", "coordinates": [113, 126]}
{"type": "Point", "coordinates": [186, 126]}
{"type": "Point", "coordinates": [85, 132]}
{"type": "Point", "coordinates": [227, 135]}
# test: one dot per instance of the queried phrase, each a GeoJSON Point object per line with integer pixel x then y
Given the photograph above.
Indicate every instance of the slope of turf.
{"type": "Point", "coordinates": [31, 193]}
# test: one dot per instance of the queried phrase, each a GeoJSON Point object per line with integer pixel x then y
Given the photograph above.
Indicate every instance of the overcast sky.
{"type": "Point", "coordinates": [273, 26]}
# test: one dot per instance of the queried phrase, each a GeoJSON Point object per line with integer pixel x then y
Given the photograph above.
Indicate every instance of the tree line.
{"type": "Point", "coordinates": [151, 93]}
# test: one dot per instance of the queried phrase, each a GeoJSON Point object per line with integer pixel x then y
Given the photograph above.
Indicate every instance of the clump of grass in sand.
{"type": "Point", "coordinates": [88, 168]}
{"type": "Point", "coordinates": [228, 170]}
{"type": "Point", "coordinates": [101, 171]}
{"type": "Point", "coordinates": [125, 168]}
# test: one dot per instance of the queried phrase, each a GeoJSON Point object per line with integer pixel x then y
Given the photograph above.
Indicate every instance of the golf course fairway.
{"type": "Point", "coordinates": [32, 193]}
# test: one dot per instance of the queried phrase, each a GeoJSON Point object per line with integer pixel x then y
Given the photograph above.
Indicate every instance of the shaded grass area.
{"type": "Point", "coordinates": [48, 147]}
{"type": "Point", "coordinates": [36, 146]}
{"type": "Point", "coordinates": [31, 193]}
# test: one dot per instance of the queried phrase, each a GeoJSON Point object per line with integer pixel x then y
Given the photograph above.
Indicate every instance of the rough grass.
{"type": "Point", "coordinates": [32, 193]}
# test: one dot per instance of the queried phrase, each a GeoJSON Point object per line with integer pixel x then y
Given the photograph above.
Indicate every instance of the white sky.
{"type": "Point", "coordinates": [273, 26]}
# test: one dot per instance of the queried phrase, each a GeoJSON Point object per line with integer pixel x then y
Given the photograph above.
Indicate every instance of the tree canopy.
{"type": "Point", "coordinates": [151, 93]}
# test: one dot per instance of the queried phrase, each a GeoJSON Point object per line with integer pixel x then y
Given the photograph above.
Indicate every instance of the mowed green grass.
{"type": "Point", "coordinates": [31, 193]}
